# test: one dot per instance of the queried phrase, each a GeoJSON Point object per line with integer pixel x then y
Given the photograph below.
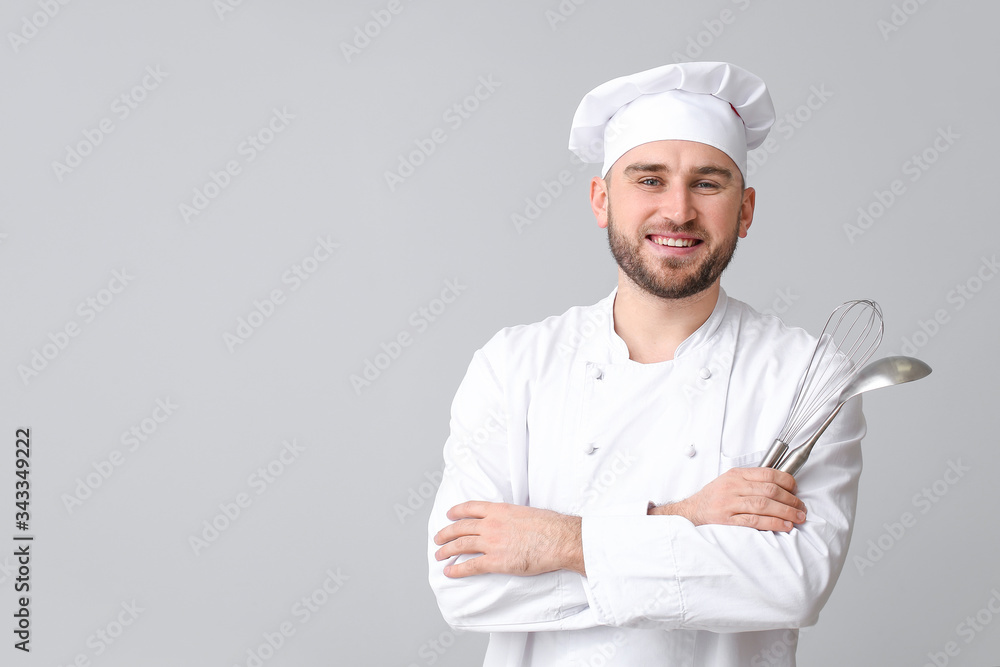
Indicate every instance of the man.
{"type": "Point", "coordinates": [601, 503]}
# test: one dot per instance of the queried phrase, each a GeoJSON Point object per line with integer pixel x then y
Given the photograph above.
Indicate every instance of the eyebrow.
{"type": "Point", "coordinates": [644, 168]}
{"type": "Point", "coordinates": [711, 170]}
{"type": "Point", "coordinates": [657, 168]}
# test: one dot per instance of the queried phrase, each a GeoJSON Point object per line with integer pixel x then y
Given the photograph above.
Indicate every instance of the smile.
{"type": "Point", "coordinates": [674, 243]}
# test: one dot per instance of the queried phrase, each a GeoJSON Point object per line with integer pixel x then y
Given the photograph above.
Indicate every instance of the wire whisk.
{"type": "Point", "coordinates": [852, 334]}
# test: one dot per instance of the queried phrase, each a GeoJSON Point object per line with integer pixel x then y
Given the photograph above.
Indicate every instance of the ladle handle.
{"type": "Point", "coordinates": [798, 456]}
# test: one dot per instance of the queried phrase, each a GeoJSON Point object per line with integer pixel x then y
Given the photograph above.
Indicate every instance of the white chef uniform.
{"type": "Point", "coordinates": [555, 415]}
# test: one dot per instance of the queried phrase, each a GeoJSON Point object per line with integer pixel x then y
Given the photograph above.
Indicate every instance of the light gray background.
{"type": "Point", "coordinates": [367, 455]}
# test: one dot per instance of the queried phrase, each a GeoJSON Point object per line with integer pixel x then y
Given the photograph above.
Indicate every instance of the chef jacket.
{"type": "Point", "coordinates": [555, 415]}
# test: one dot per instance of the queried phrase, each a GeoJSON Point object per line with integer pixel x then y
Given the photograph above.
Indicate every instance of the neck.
{"type": "Point", "coordinates": [653, 327]}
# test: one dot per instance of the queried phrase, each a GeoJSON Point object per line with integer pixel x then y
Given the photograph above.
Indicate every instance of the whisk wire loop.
{"type": "Point", "coordinates": [843, 348]}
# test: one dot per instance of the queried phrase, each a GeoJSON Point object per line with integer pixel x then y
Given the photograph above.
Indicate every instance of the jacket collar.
{"type": "Point", "coordinates": [702, 336]}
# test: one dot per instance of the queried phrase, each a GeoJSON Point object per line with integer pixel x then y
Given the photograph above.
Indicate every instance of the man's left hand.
{"type": "Point", "coordinates": [512, 539]}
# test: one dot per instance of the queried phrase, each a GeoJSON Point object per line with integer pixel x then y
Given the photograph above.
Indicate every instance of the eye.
{"type": "Point", "coordinates": [649, 180]}
{"type": "Point", "coordinates": [706, 185]}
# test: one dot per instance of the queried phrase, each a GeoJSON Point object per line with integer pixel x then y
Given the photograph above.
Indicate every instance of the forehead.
{"type": "Point", "coordinates": [676, 155]}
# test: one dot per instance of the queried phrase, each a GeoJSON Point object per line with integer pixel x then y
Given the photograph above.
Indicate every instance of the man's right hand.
{"type": "Point", "coordinates": [761, 498]}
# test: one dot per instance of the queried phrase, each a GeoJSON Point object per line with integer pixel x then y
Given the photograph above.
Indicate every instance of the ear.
{"type": "Point", "coordinates": [746, 210]}
{"type": "Point", "coordinates": [599, 200]}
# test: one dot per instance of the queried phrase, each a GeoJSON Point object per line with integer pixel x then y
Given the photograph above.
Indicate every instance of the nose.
{"type": "Point", "coordinates": [677, 205]}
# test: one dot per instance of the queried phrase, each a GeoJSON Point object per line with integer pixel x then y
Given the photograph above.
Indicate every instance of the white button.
{"type": "Point", "coordinates": [692, 451]}
{"type": "Point", "coordinates": [705, 373]}
{"type": "Point", "coordinates": [590, 448]}
{"type": "Point", "coordinates": [596, 372]}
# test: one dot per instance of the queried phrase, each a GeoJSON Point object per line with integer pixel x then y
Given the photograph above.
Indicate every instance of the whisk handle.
{"type": "Point", "coordinates": [774, 454]}
{"type": "Point", "coordinates": [797, 458]}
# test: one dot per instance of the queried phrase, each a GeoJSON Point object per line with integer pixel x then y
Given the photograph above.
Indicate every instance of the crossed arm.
{"type": "Point", "coordinates": [541, 570]}
{"type": "Point", "coordinates": [525, 541]}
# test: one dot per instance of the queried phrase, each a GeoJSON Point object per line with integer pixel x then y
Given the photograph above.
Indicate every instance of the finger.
{"type": "Point", "coordinates": [765, 507]}
{"type": "Point", "coordinates": [468, 544]}
{"type": "Point", "coordinates": [467, 568]}
{"type": "Point", "coordinates": [779, 477]}
{"type": "Point", "coordinates": [472, 509]}
{"type": "Point", "coordinates": [457, 529]}
{"type": "Point", "coordinates": [776, 493]}
{"type": "Point", "coordinates": [762, 522]}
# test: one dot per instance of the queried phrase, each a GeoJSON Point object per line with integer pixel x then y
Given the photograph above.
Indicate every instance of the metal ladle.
{"type": "Point", "coordinates": [882, 373]}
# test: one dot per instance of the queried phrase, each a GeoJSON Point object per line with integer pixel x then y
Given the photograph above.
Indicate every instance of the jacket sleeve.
{"type": "Point", "coordinates": [482, 463]}
{"type": "Point", "coordinates": [665, 572]}
{"type": "Point", "coordinates": [642, 571]}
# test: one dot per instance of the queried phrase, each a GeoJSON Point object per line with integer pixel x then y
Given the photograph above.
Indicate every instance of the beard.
{"type": "Point", "coordinates": [671, 277]}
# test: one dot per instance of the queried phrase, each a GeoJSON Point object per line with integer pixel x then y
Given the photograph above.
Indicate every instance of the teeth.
{"type": "Point", "coordinates": [674, 243]}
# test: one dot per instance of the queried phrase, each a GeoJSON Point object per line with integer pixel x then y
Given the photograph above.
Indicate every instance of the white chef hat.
{"type": "Point", "coordinates": [718, 104]}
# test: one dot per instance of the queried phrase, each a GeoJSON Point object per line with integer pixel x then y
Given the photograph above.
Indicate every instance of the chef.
{"type": "Point", "coordinates": [601, 502]}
